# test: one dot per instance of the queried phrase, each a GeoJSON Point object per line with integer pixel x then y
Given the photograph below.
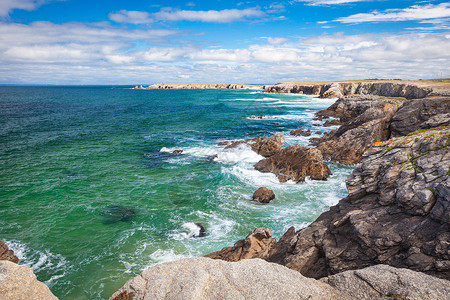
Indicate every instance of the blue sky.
{"type": "Point", "coordinates": [142, 42]}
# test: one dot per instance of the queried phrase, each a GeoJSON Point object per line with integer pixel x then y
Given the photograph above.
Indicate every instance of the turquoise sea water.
{"type": "Point", "coordinates": [90, 193]}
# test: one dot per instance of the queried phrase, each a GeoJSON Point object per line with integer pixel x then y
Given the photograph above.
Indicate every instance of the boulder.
{"type": "Point", "coordinates": [265, 146]}
{"type": "Point", "coordinates": [366, 121]}
{"type": "Point", "coordinates": [19, 283]}
{"type": "Point", "coordinates": [204, 278]}
{"type": "Point", "coordinates": [256, 244]}
{"type": "Point", "coordinates": [421, 114]}
{"type": "Point", "coordinates": [177, 151]}
{"type": "Point", "coordinates": [386, 282]}
{"type": "Point", "coordinates": [7, 254]}
{"type": "Point", "coordinates": [295, 163]}
{"type": "Point", "coordinates": [263, 195]}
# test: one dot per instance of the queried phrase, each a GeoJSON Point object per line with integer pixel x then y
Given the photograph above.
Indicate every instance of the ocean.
{"type": "Point", "coordinates": [91, 193]}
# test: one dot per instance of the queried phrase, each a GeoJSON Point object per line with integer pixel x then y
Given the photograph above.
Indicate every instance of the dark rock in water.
{"type": "Point", "coordinates": [263, 195]}
{"type": "Point", "coordinates": [295, 163]}
{"type": "Point", "coordinates": [224, 143]}
{"type": "Point", "coordinates": [211, 157]}
{"type": "Point", "coordinates": [7, 254]}
{"type": "Point", "coordinates": [202, 231]}
{"type": "Point", "coordinates": [177, 151]}
{"type": "Point", "coordinates": [300, 132]}
{"type": "Point", "coordinates": [265, 146]}
{"type": "Point", "coordinates": [319, 132]}
{"type": "Point", "coordinates": [116, 213]}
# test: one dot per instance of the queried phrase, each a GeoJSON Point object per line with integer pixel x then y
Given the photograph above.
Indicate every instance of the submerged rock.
{"type": "Point", "coordinates": [19, 282]}
{"type": "Point", "coordinates": [177, 151]}
{"type": "Point", "coordinates": [263, 195]}
{"type": "Point", "coordinates": [265, 146]}
{"type": "Point", "coordinates": [295, 163]}
{"type": "Point", "coordinates": [7, 254]}
{"type": "Point", "coordinates": [117, 213]}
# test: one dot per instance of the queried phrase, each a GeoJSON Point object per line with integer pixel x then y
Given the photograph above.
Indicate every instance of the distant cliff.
{"type": "Point", "coordinates": [198, 86]}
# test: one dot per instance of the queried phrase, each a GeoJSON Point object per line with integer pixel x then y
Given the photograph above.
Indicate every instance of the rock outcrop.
{"type": "Point", "coordinates": [397, 213]}
{"type": "Point", "coordinates": [204, 278]}
{"type": "Point", "coordinates": [255, 245]}
{"type": "Point", "coordinates": [19, 283]}
{"type": "Point", "coordinates": [265, 146]}
{"type": "Point", "coordinates": [295, 163]}
{"type": "Point", "coordinates": [386, 282]}
{"type": "Point", "coordinates": [404, 89]}
{"type": "Point", "coordinates": [7, 254]}
{"type": "Point", "coordinates": [263, 195]}
{"type": "Point", "coordinates": [421, 114]}
{"type": "Point", "coordinates": [300, 132]}
{"type": "Point", "coordinates": [254, 279]}
{"type": "Point", "coordinates": [366, 121]}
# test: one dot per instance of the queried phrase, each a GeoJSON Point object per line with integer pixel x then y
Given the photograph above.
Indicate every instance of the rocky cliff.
{"type": "Point", "coordinates": [190, 86]}
{"type": "Point", "coordinates": [408, 90]}
{"type": "Point", "coordinates": [397, 213]}
{"type": "Point", "coordinates": [203, 278]}
{"type": "Point", "coordinates": [7, 254]}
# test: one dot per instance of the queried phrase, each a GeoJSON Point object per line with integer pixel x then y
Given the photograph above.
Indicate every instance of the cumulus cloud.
{"type": "Point", "coordinates": [276, 40]}
{"type": "Point", "coordinates": [413, 13]}
{"type": "Point", "coordinates": [7, 6]}
{"type": "Point", "coordinates": [170, 14]}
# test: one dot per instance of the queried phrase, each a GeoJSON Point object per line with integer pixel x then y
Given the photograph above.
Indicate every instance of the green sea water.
{"type": "Point", "coordinates": [90, 193]}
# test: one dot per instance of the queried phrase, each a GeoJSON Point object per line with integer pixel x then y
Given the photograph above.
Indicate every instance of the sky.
{"type": "Point", "coordinates": [217, 41]}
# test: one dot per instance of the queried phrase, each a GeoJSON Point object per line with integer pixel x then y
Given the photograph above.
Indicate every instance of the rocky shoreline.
{"type": "Point", "coordinates": [389, 238]}
{"type": "Point", "coordinates": [199, 86]}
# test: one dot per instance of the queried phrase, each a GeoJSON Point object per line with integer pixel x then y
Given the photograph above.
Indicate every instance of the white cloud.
{"type": "Point", "coordinates": [330, 2]}
{"type": "Point", "coordinates": [276, 41]}
{"type": "Point", "coordinates": [131, 17]}
{"type": "Point", "coordinates": [7, 6]}
{"type": "Point", "coordinates": [216, 16]}
{"type": "Point", "coordinates": [413, 13]}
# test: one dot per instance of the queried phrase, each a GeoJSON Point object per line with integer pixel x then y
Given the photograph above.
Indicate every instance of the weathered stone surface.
{"type": "Point", "coordinates": [386, 282]}
{"type": "Point", "coordinates": [265, 146]}
{"type": "Point", "coordinates": [300, 132]}
{"type": "Point", "coordinates": [421, 114]}
{"type": "Point", "coordinates": [204, 279]}
{"type": "Point", "coordinates": [256, 244]}
{"type": "Point", "coordinates": [7, 254]}
{"type": "Point", "coordinates": [397, 213]}
{"type": "Point", "coordinates": [19, 283]}
{"type": "Point", "coordinates": [366, 119]}
{"type": "Point", "coordinates": [263, 195]}
{"type": "Point", "coordinates": [295, 163]}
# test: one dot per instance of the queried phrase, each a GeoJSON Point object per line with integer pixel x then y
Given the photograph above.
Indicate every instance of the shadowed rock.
{"type": "Point", "coordinates": [263, 195]}
{"type": "Point", "coordinates": [295, 163]}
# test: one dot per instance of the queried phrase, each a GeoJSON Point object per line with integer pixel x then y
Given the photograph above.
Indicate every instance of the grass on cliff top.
{"type": "Point", "coordinates": [445, 81]}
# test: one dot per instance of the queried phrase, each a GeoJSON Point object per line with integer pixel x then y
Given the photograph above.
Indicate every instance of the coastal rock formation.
{"type": "Point", "coordinates": [386, 282]}
{"type": "Point", "coordinates": [421, 114]}
{"type": "Point", "coordinates": [204, 278]}
{"type": "Point", "coordinates": [255, 245]}
{"type": "Point", "coordinates": [265, 146]}
{"type": "Point", "coordinates": [397, 213]}
{"type": "Point", "coordinates": [191, 86]}
{"type": "Point", "coordinates": [263, 195]}
{"type": "Point", "coordinates": [295, 163]}
{"type": "Point", "coordinates": [7, 254]}
{"type": "Point", "coordinates": [404, 89]}
{"type": "Point", "coordinates": [366, 119]}
{"type": "Point", "coordinates": [300, 132]}
{"type": "Point", "coordinates": [19, 282]}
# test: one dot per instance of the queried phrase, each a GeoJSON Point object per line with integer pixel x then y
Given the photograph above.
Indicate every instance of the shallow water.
{"type": "Point", "coordinates": [91, 193]}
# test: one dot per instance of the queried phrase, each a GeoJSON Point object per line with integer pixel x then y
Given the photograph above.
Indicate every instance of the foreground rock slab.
{"type": "Point", "coordinates": [295, 163]}
{"type": "Point", "coordinates": [386, 282]}
{"type": "Point", "coordinates": [204, 278]}
{"type": "Point", "coordinates": [19, 283]}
